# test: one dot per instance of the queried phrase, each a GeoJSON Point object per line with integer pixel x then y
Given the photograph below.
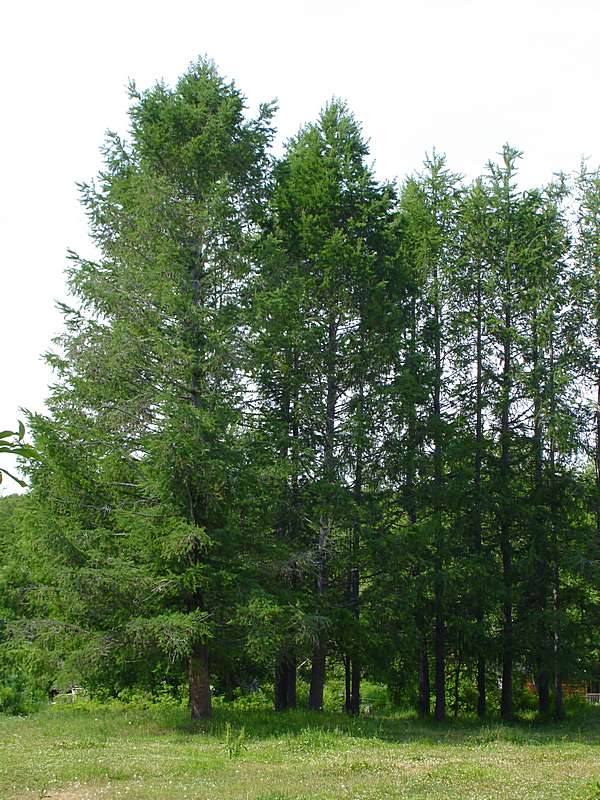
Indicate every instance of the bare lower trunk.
{"type": "Point", "coordinates": [439, 643]}
{"type": "Point", "coordinates": [543, 683]}
{"type": "Point", "coordinates": [478, 534]}
{"type": "Point", "coordinates": [559, 709]}
{"type": "Point", "coordinates": [439, 647]}
{"type": "Point", "coordinates": [285, 684]}
{"type": "Point", "coordinates": [199, 683]}
{"type": "Point", "coordinates": [481, 690]}
{"type": "Point", "coordinates": [317, 674]}
{"type": "Point", "coordinates": [597, 458]}
{"type": "Point", "coordinates": [506, 708]}
{"type": "Point", "coordinates": [507, 638]}
{"type": "Point", "coordinates": [351, 686]}
{"type": "Point", "coordinates": [424, 701]}
{"type": "Point", "coordinates": [355, 687]}
{"type": "Point", "coordinates": [456, 688]}
{"type": "Point", "coordinates": [281, 681]}
{"type": "Point", "coordinates": [347, 684]}
{"type": "Point", "coordinates": [317, 678]}
{"type": "Point", "coordinates": [291, 684]}
{"type": "Point", "coordinates": [539, 581]}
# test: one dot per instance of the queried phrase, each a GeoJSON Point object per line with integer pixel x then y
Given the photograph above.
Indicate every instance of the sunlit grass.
{"type": "Point", "coordinates": [90, 751]}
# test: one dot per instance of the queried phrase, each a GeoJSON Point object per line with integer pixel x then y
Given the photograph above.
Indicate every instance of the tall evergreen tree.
{"type": "Point", "coordinates": [505, 259]}
{"type": "Point", "coordinates": [587, 255]}
{"type": "Point", "coordinates": [329, 215]}
{"type": "Point", "coordinates": [470, 325]}
{"type": "Point", "coordinates": [150, 374]}
{"type": "Point", "coordinates": [431, 202]}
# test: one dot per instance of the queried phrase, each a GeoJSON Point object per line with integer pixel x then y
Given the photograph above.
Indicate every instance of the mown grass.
{"type": "Point", "coordinates": [119, 751]}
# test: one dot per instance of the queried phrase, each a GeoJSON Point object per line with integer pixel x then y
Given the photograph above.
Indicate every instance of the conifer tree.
{"type": "Point", "coordinates": [504, 263]}
{"type": "Point", "coordinates": [431, 200]}
{"type": "Point", "coordinates": [150, 380]}
{"type": "Point", "coordinates": [470, 333]}
{"type": "Point", "coordinates": [587, 256]}
{"type": "Point", "coordinates": [329, 215]}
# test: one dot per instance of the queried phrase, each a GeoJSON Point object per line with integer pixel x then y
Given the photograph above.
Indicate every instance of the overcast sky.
{"type": "Point", "coordinates": [464, 76]}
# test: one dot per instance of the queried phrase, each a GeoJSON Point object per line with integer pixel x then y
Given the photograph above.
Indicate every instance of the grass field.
{"type": "Point", "coordinates": [90, 751]}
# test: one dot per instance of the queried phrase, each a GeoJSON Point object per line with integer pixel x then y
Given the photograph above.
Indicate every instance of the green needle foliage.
{"type": "Point", "coordinates": [309, 427]}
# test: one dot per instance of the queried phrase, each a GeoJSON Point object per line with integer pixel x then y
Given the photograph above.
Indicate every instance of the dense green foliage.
{"type": "Point", "coordinates": [307, 421]}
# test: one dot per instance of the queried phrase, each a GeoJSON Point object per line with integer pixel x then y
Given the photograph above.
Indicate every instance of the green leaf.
{"type": "Point", "coordinates": [14, 477]}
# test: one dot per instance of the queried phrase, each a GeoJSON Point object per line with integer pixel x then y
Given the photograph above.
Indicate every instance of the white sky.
{"type": "Point", "coordinates": [464, 76]}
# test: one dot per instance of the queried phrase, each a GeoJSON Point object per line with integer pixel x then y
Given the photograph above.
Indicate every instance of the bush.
{"type": "Point", "coordinates": [18, 696]}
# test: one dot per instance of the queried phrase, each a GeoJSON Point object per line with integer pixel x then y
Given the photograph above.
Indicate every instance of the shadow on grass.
{"type": "Point", "coordinates": [582, 727]}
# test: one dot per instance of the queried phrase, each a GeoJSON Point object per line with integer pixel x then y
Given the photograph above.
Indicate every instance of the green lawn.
{"type": "Point", "coordinates": [89, 751]}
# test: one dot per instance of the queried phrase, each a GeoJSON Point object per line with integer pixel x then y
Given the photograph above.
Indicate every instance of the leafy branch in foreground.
{"type": "Point", "coordinates": [12, 443]}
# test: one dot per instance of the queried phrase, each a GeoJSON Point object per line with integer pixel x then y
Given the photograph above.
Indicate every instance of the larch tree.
{"type": "Point", "coordinates": [329, 214]}
{"type": "Point", "coordinates": [505, 252]}
{"type": "Point", "coordinates": [431, 201]}
{"type": "Point", "coordinates": [469, 323]}
{"type": "Point", "coordinates": [587, 257]}
{"type": "Point", "coordinates": [150, 377]}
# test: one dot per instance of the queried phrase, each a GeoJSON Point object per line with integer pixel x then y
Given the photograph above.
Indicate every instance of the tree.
{"type": "Point", "coordinates": [150, 379]}
{"type": "Point", "coordinates": [429, 203]}
{"type": "Point", "coordinates": [330, 218]}
{"type": "Point", "coordinates": [471, 357]}
{"type": "Point", "coordinates": [587, 286]}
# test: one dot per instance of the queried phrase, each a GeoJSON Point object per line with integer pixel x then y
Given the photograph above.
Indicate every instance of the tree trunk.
{"type": "Point", "coordinates": [198, 665]}
{"type": "Point", "coordinates": [506, 708]}
{"type": "Point", "coordinates": [285, 684]}
{"type": "Point", "coordinates": [199, 683]}
{"type": "Point", "coordinates": [507, 632]}
{"type": "Point", "coordinates": [284, 528]}
{"type": "Point", "coordinates": [439, 647]}
{"type": "Point", "coordinates": [347, 684]}
{"type": "Point", "coordinates": [281, 685]}
{"type": "Point", "coordinates": [291, 684]}
{"type": "Point", "coordinates": [539, 579]}
{"type": "Point", "coordinates": [354, 706]}
{"type": "Point", "coordinates": [481, 689]}
{"type": "Point", "coordinates": [438, 587]}
{"type": "Point", "coordinates": [317, 679]}
{"type": "Point", "coordinates": [424, 701]}
{"type": "Point", "coordinates": [478, 498]}
{"type": "Point", "coordinates": [317, 674]}
{"type": "Point", "coordinates": [410, 503]}
{"type": "Point", "coordinates": [543, 684]}
{"type": "Point", "coordinates": [355, 687]}
{"type": "Point", "coordinates": [597, 461]}
{"type": "Point", "coordinates": [559, 709]}
{"type": "Point", "coordinates": [456, 687]}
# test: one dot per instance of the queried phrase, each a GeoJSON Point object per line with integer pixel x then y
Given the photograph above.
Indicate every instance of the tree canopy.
{"type": "Point", "coordinates": [305, 420]}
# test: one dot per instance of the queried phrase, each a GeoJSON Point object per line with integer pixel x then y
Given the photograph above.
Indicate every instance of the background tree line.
{"type": "Point", "coordinates": [304, 419]}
